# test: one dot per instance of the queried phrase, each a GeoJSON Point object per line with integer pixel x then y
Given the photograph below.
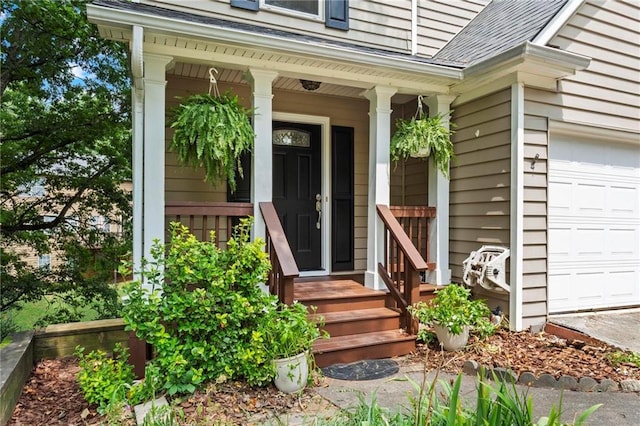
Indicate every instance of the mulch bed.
{"type": "Point", "coordinates": [52, 395]}
{"type": "Point", "coordinates": [536, 353]}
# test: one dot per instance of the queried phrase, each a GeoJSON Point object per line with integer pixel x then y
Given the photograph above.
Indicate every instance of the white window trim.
{"type": "Point", "coordinates": [44, 261]}
{"type": "Point", "coordinates": [284, 11]}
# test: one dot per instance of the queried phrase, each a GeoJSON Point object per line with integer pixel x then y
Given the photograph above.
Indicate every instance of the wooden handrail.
{"type": "Point", "coordinates": [401, 268]}
{"type": "Point", "coordinates": [407, 247]}
{"type": "Point", "coordinates": [283, 265]}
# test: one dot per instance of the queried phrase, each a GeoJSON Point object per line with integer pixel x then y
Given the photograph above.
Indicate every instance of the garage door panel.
{"type": "Point", "coordinates": [623, 201]}
{"type": "Point", "coordinates": [624, 242]}
{"type": "Point", "coordinates": [593, 224]}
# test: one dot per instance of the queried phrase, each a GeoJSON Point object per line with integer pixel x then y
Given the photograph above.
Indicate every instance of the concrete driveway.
{"type": "Point", "coordinates": [619, 328]}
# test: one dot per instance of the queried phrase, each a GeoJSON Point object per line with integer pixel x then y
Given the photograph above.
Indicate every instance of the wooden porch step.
{"type": "Point", "coordinates": [343, 323]}
{"type": "Point", "coordinates": [350, 348]}
{"type": "Point", "coordinates": [337, 295]}
{"type": "Point", "coordinates": [427, 291]}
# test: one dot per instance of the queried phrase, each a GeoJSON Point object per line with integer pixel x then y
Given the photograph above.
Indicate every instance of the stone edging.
{"type": "Point", "coordinates": [585, 384]}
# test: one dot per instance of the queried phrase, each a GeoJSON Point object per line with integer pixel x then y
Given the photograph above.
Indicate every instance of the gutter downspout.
{"type": "Point", "coordinates": [137, 100]}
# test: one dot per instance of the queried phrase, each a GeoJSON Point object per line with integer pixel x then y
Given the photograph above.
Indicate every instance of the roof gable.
{"type": "Point", "coordinates": [500, 26]}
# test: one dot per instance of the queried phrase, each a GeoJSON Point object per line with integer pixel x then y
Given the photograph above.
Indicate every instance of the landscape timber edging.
{"type": "Point", "coordinates": [584, 384]}
{"type": "Point", "coordinates": [60, 340]}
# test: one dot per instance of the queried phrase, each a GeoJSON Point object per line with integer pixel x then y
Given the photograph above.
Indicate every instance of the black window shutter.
{"type": "Point", "coordinates": [246, 4]}
{"type": "Point", "coordinates": [337, 14]}
{"type": "Point", "coordinates": [342, 195]}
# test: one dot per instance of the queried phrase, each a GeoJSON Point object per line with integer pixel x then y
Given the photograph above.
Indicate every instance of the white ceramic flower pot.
{"type": "Point", "coordinates": [451, 342]}
{"type": "Point", "coordinates": [292, 373]}
{"type": "Point", "coordinates": [422, 153]}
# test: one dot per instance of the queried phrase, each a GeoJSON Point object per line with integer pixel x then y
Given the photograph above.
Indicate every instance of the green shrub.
{"type": "Point", "coordinates": [104, 379]}
{"type": "Point", "coordinates": [454, 309]}
{"type": "Point", "coordinates": [203, 317]}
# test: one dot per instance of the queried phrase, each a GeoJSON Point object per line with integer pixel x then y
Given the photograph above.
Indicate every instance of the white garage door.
{"type": "Point", "coordinates": [594, 224]}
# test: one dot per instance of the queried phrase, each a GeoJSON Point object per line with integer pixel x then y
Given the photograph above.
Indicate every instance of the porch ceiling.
{"type": "Point", "coordinates": [201, 71]}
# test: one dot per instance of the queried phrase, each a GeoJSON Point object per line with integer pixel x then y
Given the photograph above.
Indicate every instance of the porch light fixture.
{"type": "Point", "coordinates": [310, 85]}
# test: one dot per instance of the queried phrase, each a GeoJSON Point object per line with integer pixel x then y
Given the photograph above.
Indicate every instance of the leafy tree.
{"type": "Point", "coordinates": [65, 144]}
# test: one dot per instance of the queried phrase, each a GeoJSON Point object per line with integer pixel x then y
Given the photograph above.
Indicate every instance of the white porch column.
{"type": "Point", "coordinates": [153, 147]}
{"type": "Point", "coordinates": [137, 124]}
{"type": "Point", "coordinates": [439, 197]}
{"type": "Point", "coordinates": [379, 181]}
{"type": "Point", "coordinates": [261, 173]}
{"type": "Point", "coordinates": [516, 245]}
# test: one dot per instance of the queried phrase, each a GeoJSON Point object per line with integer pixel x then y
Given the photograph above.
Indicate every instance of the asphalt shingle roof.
{"type": "Point", "coordinates": [501, 25]}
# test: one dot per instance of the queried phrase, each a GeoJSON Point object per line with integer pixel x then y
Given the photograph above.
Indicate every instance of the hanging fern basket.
{"type": "Point", "coordinates": [423, 136]}
{"type": "Point", "coordinates": [212, 132]}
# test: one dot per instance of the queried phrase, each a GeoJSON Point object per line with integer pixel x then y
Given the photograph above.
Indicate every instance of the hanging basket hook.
{"type": "Point", "coordinates": [419, 111]}
{"type": "Point", "coordinates": [213, 83]}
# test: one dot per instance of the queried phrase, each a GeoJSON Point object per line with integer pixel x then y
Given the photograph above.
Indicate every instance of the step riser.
{"type": "Point", "coordinates": [368, 325]}
{"type": "Point", "coordinates": [386, 350]}
{"type": "Point", "coordinates": [338, 305]}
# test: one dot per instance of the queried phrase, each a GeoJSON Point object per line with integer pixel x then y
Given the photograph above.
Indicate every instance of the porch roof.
{"type": "Point", "coordinates": [201, 39]}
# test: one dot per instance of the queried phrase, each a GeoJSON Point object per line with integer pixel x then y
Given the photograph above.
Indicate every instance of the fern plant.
{"type": "Point", "coordinates": [213, 132]}
{"type": "Point", "coordinates": [423, 136]}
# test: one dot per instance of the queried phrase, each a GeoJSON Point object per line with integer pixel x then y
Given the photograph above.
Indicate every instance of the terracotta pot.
{"type": "Point", "coordinates": [291, 373]}
{"type": "Point", "coordinates": [449, 341]}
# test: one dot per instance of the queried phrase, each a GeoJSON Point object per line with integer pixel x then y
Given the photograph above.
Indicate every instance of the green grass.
{"type": "Point", "coordinates": [31, 312]}
{"type": "Point", "coordinates": [620, 357]}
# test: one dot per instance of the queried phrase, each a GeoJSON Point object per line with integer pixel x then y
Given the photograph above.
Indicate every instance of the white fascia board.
{"type": "Point", "coordinates": [536, 66]}
{"type": "Point", "coordinates": [108, 16]}
{"type": "Point", "coordinates": [562, 17]}
{"type": "Point", "coordinates": [556, 59]}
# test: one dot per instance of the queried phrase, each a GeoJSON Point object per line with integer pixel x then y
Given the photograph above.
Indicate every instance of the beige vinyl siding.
{"type": "Point", "coordinates": [607, 93]}
{"type": "Point", "coordinates": [186, 184]}
{"type": "Point", "coordinates": [410, 178]}
{"type": "Point", "coordinates": [440, 20]}
{"type": "Point", "coordinates": [479, 205]}
{"type": "Point", "coordinates": [372, 23]}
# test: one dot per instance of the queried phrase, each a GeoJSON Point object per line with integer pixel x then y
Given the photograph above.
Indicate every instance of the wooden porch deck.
{"type": "Point", "coordinates": [362, 323]}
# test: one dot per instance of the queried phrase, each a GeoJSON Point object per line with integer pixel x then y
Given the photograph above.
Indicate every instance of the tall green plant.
{"type": "Point", "coordinates": [204, 310]}
{"type": "Point", "coordinates": [212, 133]}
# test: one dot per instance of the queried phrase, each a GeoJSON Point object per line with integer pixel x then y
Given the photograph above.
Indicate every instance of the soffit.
{"type": "Point", "coordinates": [212, 53]}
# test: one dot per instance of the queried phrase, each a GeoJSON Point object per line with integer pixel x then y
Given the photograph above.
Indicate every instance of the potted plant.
{"type": "Point", "coordinates": [452, 314]}
{"type": "Point", "coordinates": [422, 136]}
{"type": "Point", "coordinates": [213, 132]}
{"type": "Point", "coordinates": [288, 334]}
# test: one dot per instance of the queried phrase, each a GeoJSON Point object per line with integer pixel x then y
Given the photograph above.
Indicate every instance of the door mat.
{"type": "Point", "coordinates": [369, 369]}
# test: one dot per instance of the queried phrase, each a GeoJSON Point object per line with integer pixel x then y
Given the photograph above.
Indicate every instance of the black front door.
{"type": "Point", "coordinates": [297, 189]}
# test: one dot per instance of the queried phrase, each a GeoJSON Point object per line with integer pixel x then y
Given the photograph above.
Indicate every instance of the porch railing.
{"type": "Point", "coordinates": [401, 268]}
{"type": "Point", "coordinates": [283, 265]}
{"type": "Point", "coordinates": [416, 222]}
{"type": "Point", "coordinates": [203, 217]}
